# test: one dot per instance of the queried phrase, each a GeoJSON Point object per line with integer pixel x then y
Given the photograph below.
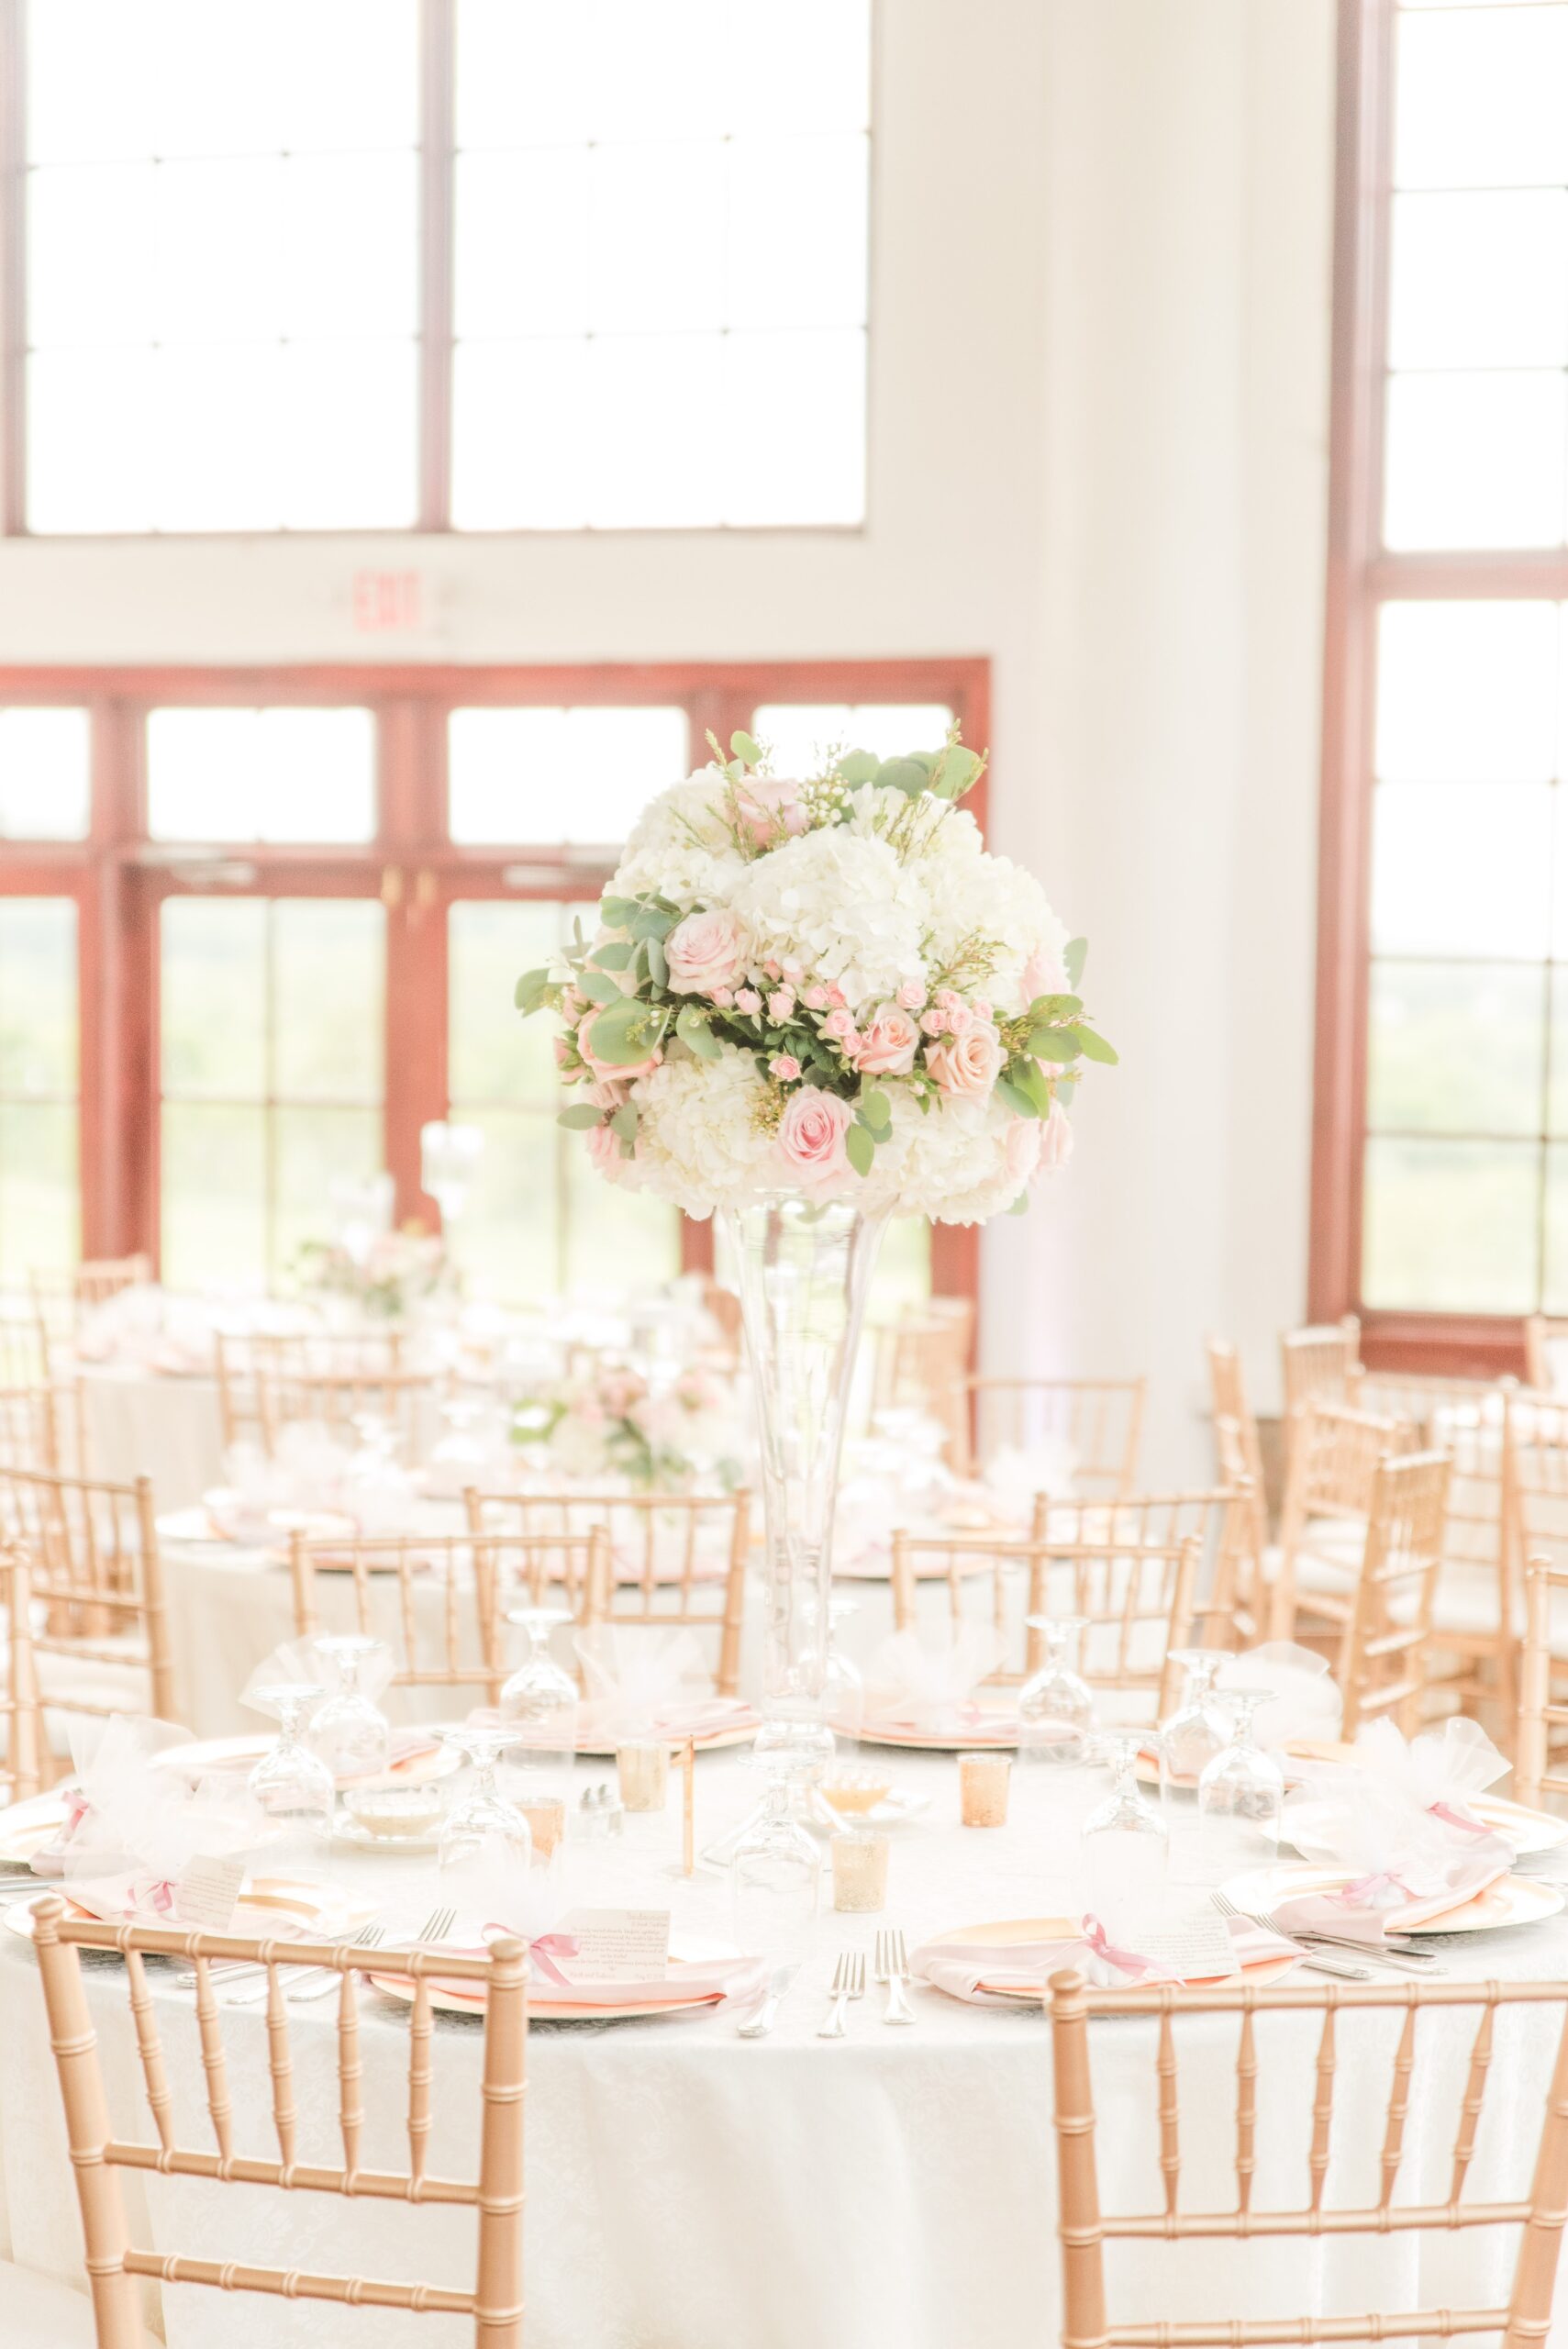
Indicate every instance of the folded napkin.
{"type": "Point", "coordinates": [700, 1717]}
{"type": "Point", "coordinates": [132, 1830]}
{"type": "Point", "coordinates": [1016, 1476]}
{"type": "Point", "coordinates": [930, 1690]}
{"type": "Point", "coordinates": [640, 1679]}
{"type": "Point", "coordinates": [998, 1974]}
{"type": "Point", "coordinates": [1370, 1907]}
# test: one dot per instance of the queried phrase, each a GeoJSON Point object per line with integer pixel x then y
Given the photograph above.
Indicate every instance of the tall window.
{"type": "Point", "coordinates": [478, 264]}
{"type": "Point", "coordinates": [1441, 1193]}
{"type": "Point", "coordinates": [253, 937]}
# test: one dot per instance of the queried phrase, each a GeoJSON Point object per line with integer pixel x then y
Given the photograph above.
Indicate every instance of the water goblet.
{"type": "Point", "coordinates": [1124, 1846]}
{"type": "Point", "coordinates": [486, 1844]}
{"type": "Point", "coordinates": [293, 1787]}
{"type": "Point", "coordinates": [539, 1705]}
{"type": "Point", "coordinates": [1240, 1795]}
{"type": "Point", "coordinates": [1200, 1727]}
{"type": "Point", "coordinates": [349, 1733]}
{"type": "Point", "coordinates": [775, 1876]}
{"type": "Point", "coordinates": [1055, 1708]}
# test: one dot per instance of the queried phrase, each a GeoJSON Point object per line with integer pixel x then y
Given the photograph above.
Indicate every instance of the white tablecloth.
{"type": "Point", "coordinates": [893, 2191]}
{"type": "Point", "coordinates": [149, 1423]}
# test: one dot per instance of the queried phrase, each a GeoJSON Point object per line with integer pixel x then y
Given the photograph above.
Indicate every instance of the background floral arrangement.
{"type": "Point", "coordinates": [612, 1424]}
{"type": "Point", "coordinates": [826, 985]}
{"type": "Point", "coordinates": [397, 1271]}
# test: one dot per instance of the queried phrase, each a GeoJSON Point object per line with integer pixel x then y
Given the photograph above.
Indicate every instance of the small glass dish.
{"type": "Point", "coordinates": [393, 1814]}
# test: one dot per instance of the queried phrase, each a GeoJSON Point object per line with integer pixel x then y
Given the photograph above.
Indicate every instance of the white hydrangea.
{"type": "Point", "coordinates": [972, 891]}
{"type": "Point", "coordinates": [681, 847]}
{"type": "Point", "coordinates": [952, 1163]}
{"type": "Point", "coordinates": [698, 1141]}
{"type": "Point", "coordinates": [839, 903]}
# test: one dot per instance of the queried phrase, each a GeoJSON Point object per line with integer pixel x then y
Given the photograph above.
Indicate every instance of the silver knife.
{"type": "Point", "coordinates": [762, 2021]}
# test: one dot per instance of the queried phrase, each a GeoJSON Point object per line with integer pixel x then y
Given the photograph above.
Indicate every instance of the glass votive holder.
{"type": "Point", "coordinates": [547, 1820]}
{"type": "Point", "coordinates": [982, 1780]}
{"type": "Point", "coordinates": [644, 1774]}
{"type": "Point", "coordinates": [860, 1871]}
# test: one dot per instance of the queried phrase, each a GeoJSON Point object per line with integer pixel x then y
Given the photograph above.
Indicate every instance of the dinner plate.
{"type": "Point", "coordinates": [1000, 1730]}
{"type": "Point", "coordinates": [548, 2003]}
{"type": "Point", "coordinates": [1512, 1900]}
{"type": "Point", "coordinates": [353, 1837]}
{"type": "Point", "coordinates": [1527, 1832]}
{"type": "Point", "coordinates": [26, 1827]}
{"type": "Point", "coordinates": [739, 1731]}
{"type": "Point", "coordinates": [218, 1755]}
{"type": "Point", "coordinates": [263, 1899]}
{"type": "Point", "coordinates": [1062, 1929]}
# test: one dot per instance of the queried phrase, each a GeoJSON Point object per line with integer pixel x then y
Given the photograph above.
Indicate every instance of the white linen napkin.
{"type": "Point", "coordinates": [930, 1690]}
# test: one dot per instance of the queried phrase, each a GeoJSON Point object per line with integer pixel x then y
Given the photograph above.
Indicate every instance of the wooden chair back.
{"type": "Point", "coordinates": [1086, 2226]}
{"type": "Point", "coordinates": [19, 1761]}
{"type": "Point", "coordinates": [94, 1564]}
{"type": "Point", "coordinates": [404, 1401]}
{"type": "Point", "coordinates": [23, 1344]}
{"type": "Point", "coordinates": [26, 1428]}
{"type": "Point", "coordinates": [1383, 1654]}
{"type": "Point", "coordinates": [1100, 1420]}
{"type": "Point", "coordinates": [1135, 1600]}
{"type": "Point", "coordinates": [1334, 1452]}
{"type": "Point", "coordinates": [98, 2155]}
{"type": "Point", "coordinates": [1321, 1363]}
{"type": "Point", "coordinates": [243, 1360]}
{"type": "Point", "coordinates": [677, 1559]}
{"type": "Point", "coordinates": [919, 1363]}
{"type": "Point", "coordinates": [1219, 1520]}
{"type": "Point", "coordinates": [1540, 1714]}
{"type": "Point", "coordinates": [440, 1601]}
{"type": "Point", "coordinates": [1239, 1450]}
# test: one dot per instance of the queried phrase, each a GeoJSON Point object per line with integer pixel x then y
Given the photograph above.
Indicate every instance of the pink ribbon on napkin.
{"type": "Point", "coordinates": [1126, 1961]}
{"type": "Point", "coordinates": [544, 1949]}
{"type": "Point", "coordinates": [1452, 1818]}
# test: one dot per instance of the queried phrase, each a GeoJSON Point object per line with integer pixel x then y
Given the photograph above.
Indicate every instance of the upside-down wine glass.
{"type": "Point", "coordinates": [1124, 1846]}
{"type": "Point", "coordinates": [539, 1706]}
{"type": "Point", "coordinates": [1240, 1795]}
{"type": "Point", "coordinates": [349, 1733]}
{"type": "Point", "coordinates": [776, 1873]}
{"type": "Point", "coordinates": [1200, 1727]}
{"type": "Point", "coordinates": [486, 1844]}
{"type": "Point", "coordinates": [293, 1787]}
{"type": "Point", "coordinates": [1056, 1709]}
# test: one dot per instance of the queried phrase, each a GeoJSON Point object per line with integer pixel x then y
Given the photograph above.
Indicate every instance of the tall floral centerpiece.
{"type": "Point", "coordinates": [811, 1005]}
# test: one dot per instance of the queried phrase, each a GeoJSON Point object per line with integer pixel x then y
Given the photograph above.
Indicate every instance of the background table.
{"type": "Point", "coordinates": [893, 2191]}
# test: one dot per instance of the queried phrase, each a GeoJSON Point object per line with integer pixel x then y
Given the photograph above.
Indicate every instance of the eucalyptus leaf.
{"type": "Point", "coordinates": [599, 986]}
{"type": "Point", "coordinates": [1067, 1087]}
{"type": "Point", "coordinates": [1054, 1044]}
{"type": "Point", "coordinates": [955, 771]}
{"type": "Point", "coordinates": [858, 766]}
{"type": "Point", "coordinates": [1027, 1076]}
{"type": "Point", "coordinates": [695, 1032]}
{"type": "Point", "coordinates": [624, 1032]}
{"type": "Point", "coordinates": [616, 912]}
{"type": "Point", "coordinates": [624, 1122]}
{"type": "Point", "coordinates": [1018, 1101]}
{"type": "Point", "coordinates": [1021, 1204]}
{"type": "Point", "coordinates": [531, 990]}
{"type": "Point", "coordinates": [1095, 1048]}
{"type": "Point", "coordinates": [903, 775]}
{"type": "Point", "coordinates": [1056, 1007]}
{"type": "Point", "coordinates": [874, 1107]}
{"type": "Point", "coordinates": [580, 1116]}
{"type": "Point", "coordinates": [651, 921]}
{"type": "Point", "coordinates": [859, 1149]}
{"type": "Point", "coordinates": [1073, 955]}
{"type": "Point", "coordinates": [615, 954]}
{"type": "Point", "coordinates": [658, 965]}
{"type": "Point", "coordinates": [743, 747]}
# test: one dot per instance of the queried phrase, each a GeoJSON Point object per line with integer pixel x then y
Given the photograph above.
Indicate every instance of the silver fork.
{"type": "Point", "coordinates": [1399, 1955]}
{"type": "Point", "coordinates": [436, 1928]}
{"type": "Point", "coordinates": [849, 1982]}
{"type": "Point", "coordinates": [251, 1992]}
{"type": "Point", "coordinates": [893, 1971]}
{"type": "Point", "coordinates": [1309, 1958]}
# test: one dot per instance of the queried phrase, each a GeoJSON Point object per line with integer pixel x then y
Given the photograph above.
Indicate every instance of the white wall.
{"type": "Point", "coordinates": [1098, 437]}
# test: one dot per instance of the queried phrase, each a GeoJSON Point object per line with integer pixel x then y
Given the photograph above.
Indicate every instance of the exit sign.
{"type": "Point", "coordinates": [388, 603]}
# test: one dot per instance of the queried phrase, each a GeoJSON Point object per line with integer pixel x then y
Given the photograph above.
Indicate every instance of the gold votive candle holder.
{"type": "Point", "coordinates": [983, 1781]}
{"type": "Point", "coordinates": [644, 1774]}
{"type": "Point", "coordinates": [547, 1823]}
{"type": "Point", "coordinates": [860, 1871]}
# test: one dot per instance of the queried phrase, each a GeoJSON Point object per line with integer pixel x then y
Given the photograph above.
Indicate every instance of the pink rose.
{"type": "Point", "coordinates": [888, 1042]}
{"type": "Point", "coordinates": [786, 1067]}
{"type": "Point", "coordinates": [780, 1003]}
{"type": "Point", "coordinates": [980, 1007]}
{"type": "Point", "coordinates": [1022, 1146]}
{"type": "Point", "coordinates": [608, 1093]}
{"type": "Point", "coordinates": [792, 970]}
{"type": "Point", "coordinates": [968, 1067]}
{"type": "Point", "coordinates": [603, 1149]}
{"type": "Point", "coordinates": [748, 1000]}
{"type": "Point", "coordinates": [1055, 1139]}
{"type": "Point", "coordinates": [705, 950]}
{"type": "Point", "coordinates": [837, 998]}
{"type": "Point", "coordinates": [811, 1136]}
{"type": "Point", "coordinates": [608, 1069]}
{"type": "Point", "coordinates": [768, 805]}
{"type": "Point", "coordinates": [934, 1022]}
{"type": "Point", "coordinates": [948, 999]}
{"type": "Point", "coordinates": [959, 1018]}
{"type": "Point", "coordinates": [815, 999]}
{"type": "Point", "coordinates": [1043, 974]}
{"type": "Point", "coordinates": [838, 1024]}
{"type": "Point", "coordinates": [722, 996]}
{"type": "Point", "coordinates": [773, 969]}
{"type": "Point", "coordinates": [912, 994]}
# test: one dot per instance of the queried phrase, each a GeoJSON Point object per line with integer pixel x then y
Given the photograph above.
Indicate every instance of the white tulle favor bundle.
{"type": "Point", "coordinates": [134, 1831]}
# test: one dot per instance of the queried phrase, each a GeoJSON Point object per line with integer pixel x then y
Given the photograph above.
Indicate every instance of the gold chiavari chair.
{"type": "Point", "coordinates": [1334, 1453]}
{"type": "Point", "coordinates": [249, 1363]}
{"type": "Point", "coordinates": [1086, 2226]}
{"type": "Point", "coordinates": [676, 1560]}
{"type": "Point", "coordinates": [919, 1361]}
{"type": "Point", "coordinates": [404, 1401]}
{"type": "Point", "coordinates": [1135, 1600]}
{"type": "Point", "coordinates": [1541, 1713]}
{"type": "Point", "coordinates": [26, 1428]}
{"type": "Point", "coordinates": [1100, 1420]}
{"type": "Point", "coordinates": [1320, 1363]}
{"type": "Point", "coordinates": [439, 1601]}
{"type": "Point", "coordinates": [24, 1345]}
{"type": "Point", "coordinates": [1383, 1661]}
{"type": "Point", "coordinates": [93, 1550]}
{"type": "Point", "coordinates": [19, 1762]}
{"type": "Point", "coordinates": [1238, 1448]}
{"type": "Point", "coordinates": [1546, 1353]}
{"type": "Point", "coordinates": [59, 1299]}
{"type": "Point", "coordinates": [1220, 1520]}
{"type": "Point", "coordinates": [1535, 1504]}
{"type": "Point", "coordinates": [99, 2154]}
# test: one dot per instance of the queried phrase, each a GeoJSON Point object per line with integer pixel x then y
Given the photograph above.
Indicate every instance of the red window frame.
{"type": "Point", "coordinates": [1362, 578]}
{"type": "Point", "coordinates": [118, 879]}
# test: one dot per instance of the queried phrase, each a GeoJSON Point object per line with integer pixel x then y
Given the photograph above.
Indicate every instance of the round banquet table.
{"type": "Point", "coordinates": [894, 2190]}
{"type": "Point", "coordinates": [160, 1424]}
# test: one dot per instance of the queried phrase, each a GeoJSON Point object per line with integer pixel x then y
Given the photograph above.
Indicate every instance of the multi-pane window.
{"type": "Point", "coordinates": [38, 1193]}
{"type": "Point", "coordinates": [260, 775]}
{"type": "Point", "coordinates": [502, 264]}
{"type": "Point", "coordinates": [222, 264]}
{"type": "Point", "coordinates": [568, 775]}
{"type": "Point", "coordinates": [44, 775]}
{"type": "Point", "coordinates": [1442, 1138]}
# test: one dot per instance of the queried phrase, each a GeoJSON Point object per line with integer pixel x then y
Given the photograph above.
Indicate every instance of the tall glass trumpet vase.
{"type": "Point", "coordinates": [803, 1270]}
